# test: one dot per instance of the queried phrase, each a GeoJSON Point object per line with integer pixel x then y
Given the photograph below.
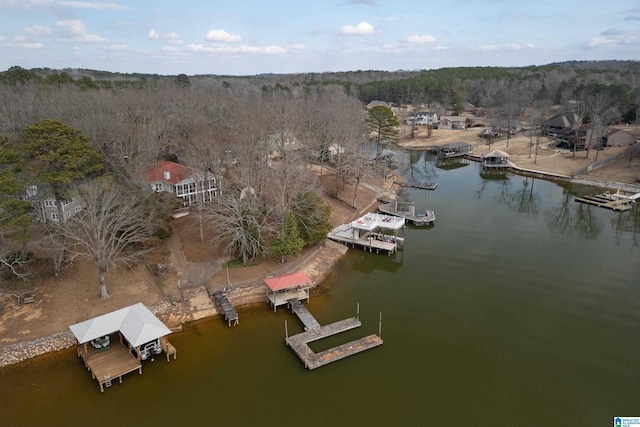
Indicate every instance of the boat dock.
{"type": "Point", "coordinates": [610, 201]}
{"type": "Point", "coordinates": [365, 233]}
{"type": "Point", "coordinates": [310, 323]}
{"type": "Point", "coordinates": [230, 314]}
{"type": "Point", "coordinates": [313, 332]}
{"type": "Point", "coordinates": [421, 186]}
{"type": "Point", "coordinates": [407, 210]}
{"type": "Point", "coordinates": [108, 365]}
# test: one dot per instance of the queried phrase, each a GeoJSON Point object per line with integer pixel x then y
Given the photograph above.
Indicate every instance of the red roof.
{"type": "Point", "coordinates": [279, 283]}
{"type": "Point", "coordinates": [177, 172]}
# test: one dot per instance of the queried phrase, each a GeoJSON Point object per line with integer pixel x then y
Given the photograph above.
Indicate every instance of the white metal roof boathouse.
{"type": "Point", "coordinates": [368, 232]}
{"type": "Point", "coordinates": [141, 335]}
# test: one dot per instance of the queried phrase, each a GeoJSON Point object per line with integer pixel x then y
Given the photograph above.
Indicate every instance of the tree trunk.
{"type": "Point", "coordinates": [103, 285]}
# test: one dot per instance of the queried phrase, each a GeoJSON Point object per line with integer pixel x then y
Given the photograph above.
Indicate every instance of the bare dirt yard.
{"type": "Point", "coordinates": [190, 266]}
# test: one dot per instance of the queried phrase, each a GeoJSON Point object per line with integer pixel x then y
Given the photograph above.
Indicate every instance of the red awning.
{"type": "Point", "coordinates": [279, 283]}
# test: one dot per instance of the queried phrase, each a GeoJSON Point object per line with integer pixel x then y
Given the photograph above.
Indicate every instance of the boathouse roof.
{"type": "Point", "coordinates": [278, 283]}
{"type": "Point", "coordinates": [497, 154]}
{"type": "Point", "coordinates": [136, 323]}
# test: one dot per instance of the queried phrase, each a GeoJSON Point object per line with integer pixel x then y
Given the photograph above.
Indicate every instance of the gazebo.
{"type": "Point", "coordinates": [496, 159]}
{"type": "Point", "coordinates": [141, 335]}
{"type": "Point", "coordinates": [283, 289]}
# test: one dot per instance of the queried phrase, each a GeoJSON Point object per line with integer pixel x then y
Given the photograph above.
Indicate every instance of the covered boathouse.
{"type": "Point", "coordinates": [290, 287]}
{"type": "Point", "coordinates": [368, 232]}
{"type": "Point", "coordinates": [116, 343]}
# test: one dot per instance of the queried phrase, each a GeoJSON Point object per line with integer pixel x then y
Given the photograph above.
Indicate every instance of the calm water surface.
{"type": "Point", "coordinates": [519, 307]}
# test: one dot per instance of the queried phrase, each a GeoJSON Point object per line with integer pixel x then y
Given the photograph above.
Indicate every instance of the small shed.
{"type": "Point", "coordinates": [282, 289]}
{"type": "Point", "coordinates": [496, 159]}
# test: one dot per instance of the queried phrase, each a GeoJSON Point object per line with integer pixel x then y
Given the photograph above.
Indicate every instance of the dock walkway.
{"type": "Point", "coordinates": [408, 212]}
{"type": "Point", "coordinates": [300, 343]}
{"type": "Point", "coordinates": [310, 323]}
{"type": "Point", "coordinates": [607, 201]}
{"type": "Point", "coordinates": [230, 314]}
{"type": "Point", "coordinates": [313, 332]}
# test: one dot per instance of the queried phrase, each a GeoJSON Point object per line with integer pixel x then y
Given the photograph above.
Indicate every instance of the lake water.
{"type": "Point", "coordinates": [519, 307]}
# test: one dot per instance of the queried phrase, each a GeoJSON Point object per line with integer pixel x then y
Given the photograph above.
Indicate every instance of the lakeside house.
{"type": "Point", "coordinates": [187, 184]}
{"type": "Point", "coordinates": [453, 122]}
{"type": "Point", "coordinates": [47, 206]}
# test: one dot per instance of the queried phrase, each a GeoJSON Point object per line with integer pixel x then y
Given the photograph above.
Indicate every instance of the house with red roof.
{"type": "Point", "coordinates": [185, 182]}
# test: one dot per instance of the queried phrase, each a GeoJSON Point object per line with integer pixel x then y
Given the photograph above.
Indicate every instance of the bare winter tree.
{"type": "Point", "coordinates": [112, 227]}
{"type": "Point", "coordinates": [600, 107]}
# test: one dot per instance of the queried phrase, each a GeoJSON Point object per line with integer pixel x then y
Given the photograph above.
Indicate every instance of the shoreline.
{"type": "Point", "coordinates": [318, 264]}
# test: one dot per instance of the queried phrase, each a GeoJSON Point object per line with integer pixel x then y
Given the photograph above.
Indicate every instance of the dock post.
{"type": "Point", "coordinates": [380, 326]}
{"type": "Point", "coordinates": [358, 311]}
{"type": "Point", "coordinates": [286, 330]}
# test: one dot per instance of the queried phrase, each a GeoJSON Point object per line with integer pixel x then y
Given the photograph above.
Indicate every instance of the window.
{"type": "Point", "coordinates": [68, 213]}
{"type": "Point", "coordinates": [78, 208]}
{"type": "Point", "coordinates": [54, 216]}
{"type": "Point", "coordinates": [50, 203]}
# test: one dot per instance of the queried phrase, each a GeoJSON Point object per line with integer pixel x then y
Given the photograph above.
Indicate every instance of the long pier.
{"type": "Point", "coordinates": [407, 211]}
{"type": "Point", "coordinates": [230, 314]}
{"type": "Point", "coordinates": [607, 201]}
{"type": "Point", "coordinates": [313, 332]}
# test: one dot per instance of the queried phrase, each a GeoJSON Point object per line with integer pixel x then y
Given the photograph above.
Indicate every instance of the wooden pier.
{"type": "Point", "coordinates": [310, 323]}
{"type": "Point", "coordinates": [314, 331]}
{"type": "Point", "coordinates": [407, 211]}
{"type": "Point", "coordinates": [608, 201]}
{"type": "Point", "coordinates": [108, 365]}
{"type": "Point", "coordinates": [421, 186]}
{"type": "Point", "coordinates": [230, 314]}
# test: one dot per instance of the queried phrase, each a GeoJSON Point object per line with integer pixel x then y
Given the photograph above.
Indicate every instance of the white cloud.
{"type": "Point", "coordinates": [246, 49]}
{"type": "Point", "coordinates": [362, 29]}
{"type": "Point", "coordinates": [221, 36]}
{"type": "Point", "coordinates": [512, 46]}
{"type": "Point", "coordinates": [421, 39]}
{"type": "Point", "coordinates": [168, 37]}
{"type": "Point", "coordinates": [37, 5]}
{"type": "Point", "coordinates": [74, 30]}
{"type": "Point", "coordinates": [614, 37]}
{"type": "Point", "coordinates": [38, 30]}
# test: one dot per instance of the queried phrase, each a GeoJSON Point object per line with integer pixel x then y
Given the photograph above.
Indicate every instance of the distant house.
{"type": "Point", "coordinates": [186, 183]}
{"type": "Point", "coordinates": [47, 205]}
{"type": "Point", "coordinates": [599, 137]}
{"type": "Point", "coordinates": [426, 118]}
{"type": "Point", "coordinates": [559, 122]}
{"type": "Point", "coordinates": [453, 122]}
{"type": "Point", "coordinates": [279, 144]}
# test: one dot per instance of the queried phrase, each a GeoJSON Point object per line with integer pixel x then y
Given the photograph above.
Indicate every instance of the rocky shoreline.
{"type": "Point", "coordinates": [196, 306]}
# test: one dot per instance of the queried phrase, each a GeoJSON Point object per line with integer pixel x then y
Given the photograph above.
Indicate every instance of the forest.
{"type": "Point", "coordinates": [91, 135]}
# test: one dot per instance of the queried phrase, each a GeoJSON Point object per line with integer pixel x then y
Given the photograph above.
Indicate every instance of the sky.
{"type": "Point", "coordinates": [248, 37]}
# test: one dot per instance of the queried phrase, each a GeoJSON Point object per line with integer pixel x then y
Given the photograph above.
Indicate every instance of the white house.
{"type": "Point", "coordinates": [426, 118]}
{"type": "Point", "coordinates": [186, 183]}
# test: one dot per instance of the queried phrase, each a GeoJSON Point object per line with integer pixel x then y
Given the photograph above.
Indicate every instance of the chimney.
{"type": "Point", "coordinates": [166, 175]}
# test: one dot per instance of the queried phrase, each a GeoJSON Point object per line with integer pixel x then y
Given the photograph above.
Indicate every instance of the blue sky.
{"type": "Point", "coordinates": [245, 37]}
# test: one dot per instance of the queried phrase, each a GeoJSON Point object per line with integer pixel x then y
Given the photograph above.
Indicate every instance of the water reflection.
{"type": "Point", "coordinates": [368, 263]}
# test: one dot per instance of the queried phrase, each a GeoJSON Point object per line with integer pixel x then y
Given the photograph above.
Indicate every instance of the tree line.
{"type": "Point", "coordinates": [95, 145]}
